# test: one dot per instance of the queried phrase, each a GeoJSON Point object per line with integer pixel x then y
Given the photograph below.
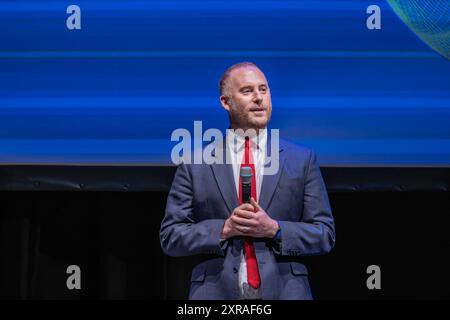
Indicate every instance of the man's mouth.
{"type": "Point", "coordinates": [258, 110]}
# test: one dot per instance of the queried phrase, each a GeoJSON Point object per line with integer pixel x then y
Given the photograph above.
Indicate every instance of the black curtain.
{"type": "Point", "coordinates": [114, 238]}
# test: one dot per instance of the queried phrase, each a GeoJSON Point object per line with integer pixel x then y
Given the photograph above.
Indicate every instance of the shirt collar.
{"type": "Point", "coordinates": [237, 141]}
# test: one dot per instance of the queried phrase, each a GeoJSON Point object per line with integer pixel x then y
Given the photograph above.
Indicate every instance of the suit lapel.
{"type": "Point", "coordinates": [270, 182]}
{"type": "Point", "coordinates": [223, 173]}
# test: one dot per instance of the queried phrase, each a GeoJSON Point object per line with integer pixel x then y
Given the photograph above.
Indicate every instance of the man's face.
{"type": "Point", "coordinates": [250, 106]}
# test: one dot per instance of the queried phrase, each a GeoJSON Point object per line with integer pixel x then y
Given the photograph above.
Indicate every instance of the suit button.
{"type": "Point", "coordinates": [235, 270]}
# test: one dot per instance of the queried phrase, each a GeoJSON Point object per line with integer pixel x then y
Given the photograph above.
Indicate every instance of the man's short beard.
{"type": "Point", "coordinates": [230, 116]}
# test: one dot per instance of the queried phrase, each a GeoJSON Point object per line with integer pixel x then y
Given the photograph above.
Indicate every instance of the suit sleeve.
{"type": "Point", "coordinates": [180, 233]}
{"type": "Point", "coordinates": [315, 233]}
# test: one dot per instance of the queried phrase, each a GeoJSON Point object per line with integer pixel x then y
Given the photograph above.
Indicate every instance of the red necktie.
{"type": "Point", "coordinates": [253, 278]}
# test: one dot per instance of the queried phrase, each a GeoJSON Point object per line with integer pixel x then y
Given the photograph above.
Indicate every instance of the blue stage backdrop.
{"type": "Point", "coordinates": [114, 91]}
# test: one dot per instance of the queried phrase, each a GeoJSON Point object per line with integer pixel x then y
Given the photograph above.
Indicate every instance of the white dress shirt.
{"type": "Point", "coordinates": [236, 148]}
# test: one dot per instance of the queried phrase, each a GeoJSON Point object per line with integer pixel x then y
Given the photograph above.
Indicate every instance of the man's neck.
{"type": "Point", "coordinates": [238, 130]}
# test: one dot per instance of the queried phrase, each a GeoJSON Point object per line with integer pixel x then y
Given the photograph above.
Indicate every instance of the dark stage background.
{"type": "Point", "coordinates": [396, 218]}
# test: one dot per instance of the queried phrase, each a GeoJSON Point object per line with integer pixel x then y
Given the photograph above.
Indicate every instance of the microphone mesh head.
{"type": "Point", "coordinates": [246, 175]}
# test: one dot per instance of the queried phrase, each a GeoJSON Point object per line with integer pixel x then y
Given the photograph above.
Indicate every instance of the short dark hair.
{"type": "Point", "coordinates": [226, 75]}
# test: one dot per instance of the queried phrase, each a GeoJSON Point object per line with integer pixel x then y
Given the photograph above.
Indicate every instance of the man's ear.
{"type": "Point", "coordinates": [224, 102]}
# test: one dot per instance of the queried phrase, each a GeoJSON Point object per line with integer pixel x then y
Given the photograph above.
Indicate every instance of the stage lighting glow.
{"type": "Point", "coordinates": [428, 19]}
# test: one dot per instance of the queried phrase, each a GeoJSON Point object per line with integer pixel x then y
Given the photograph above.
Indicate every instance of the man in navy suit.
{"type": "Point", "coordinates": [249, 250]}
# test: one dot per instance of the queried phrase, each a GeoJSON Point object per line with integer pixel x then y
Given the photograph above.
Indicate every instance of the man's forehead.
{"type": "Point", "coordinates": [247, 74]}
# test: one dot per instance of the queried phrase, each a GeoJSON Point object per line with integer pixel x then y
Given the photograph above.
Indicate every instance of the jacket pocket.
{"type": "Point", "coordinates": [198, 274]}
{"type": "Point", "coordinates": [298, 269]}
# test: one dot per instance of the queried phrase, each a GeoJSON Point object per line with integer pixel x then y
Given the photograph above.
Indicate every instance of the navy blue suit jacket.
{"type": "Point", "coordinates": [202, 197]}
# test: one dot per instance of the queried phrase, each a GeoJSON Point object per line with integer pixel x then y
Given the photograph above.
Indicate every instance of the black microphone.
{"type": "Point", "coordinates": [246, 179]}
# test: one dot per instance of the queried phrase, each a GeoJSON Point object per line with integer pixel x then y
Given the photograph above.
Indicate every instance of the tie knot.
{"type": "Point", "coordinates": [249, 143]}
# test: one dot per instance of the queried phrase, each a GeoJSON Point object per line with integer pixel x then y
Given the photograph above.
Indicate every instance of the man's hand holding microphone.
{"type": "Point", "coordinates": [249, 220]}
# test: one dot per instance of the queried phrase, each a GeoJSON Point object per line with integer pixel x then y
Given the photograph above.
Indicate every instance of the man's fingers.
{"type": "Point", "coordinates": [244, 214]}
{"type": "Point", "coordinates": [255, 204]}
{"type": "Point", "coordinates": [247, 206]}
{"type": "Point", "coordinates": [243, 229]}
{"type": "Point", "coordinates": [237, 228]}
{"type": "Point", "coordinates": [243, 222]}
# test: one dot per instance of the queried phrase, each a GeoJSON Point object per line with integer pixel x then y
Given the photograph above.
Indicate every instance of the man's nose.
{"type": "Point", "coordinates": [257, 97]}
